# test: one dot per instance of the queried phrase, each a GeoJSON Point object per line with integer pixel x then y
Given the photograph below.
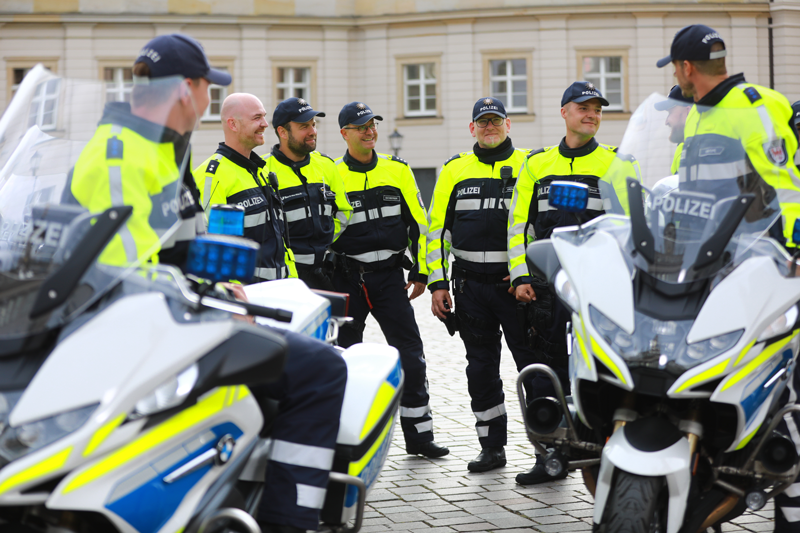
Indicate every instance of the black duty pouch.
{"type": "Point", "coordinates": [536, 317]}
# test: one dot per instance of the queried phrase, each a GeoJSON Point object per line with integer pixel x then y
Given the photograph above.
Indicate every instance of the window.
{"type": "Point", "coordinates": [419, 94]}
{"type": "Point", "coordinates": [216, 95]}
{"type": "Point", "coordinates": [18, 75]}
{"type": "Point", "coordinates": [293, 82]}
{"type": "Point", "coordinates": [44, 105]}
{"type": "Point", "coordinates": [508, 82]}
{"type": "Point", "coordinates": [119, 83]}
{"type": "Point", "coordinates": [606, 73]}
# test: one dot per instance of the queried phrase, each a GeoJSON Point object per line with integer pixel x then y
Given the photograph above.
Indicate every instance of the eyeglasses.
{"type": "Point", "coordinates": [483, 122]}
{"type": "Point", "coordinates": [365, 127]}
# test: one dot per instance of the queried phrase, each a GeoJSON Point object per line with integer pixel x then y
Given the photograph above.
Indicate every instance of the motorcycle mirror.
{"type": "Point", "coordinates": [568, 196]}
{"type": "Point", "coordinates": [222, 258]}
{"type": "Point", "coordinates": [226, 219]}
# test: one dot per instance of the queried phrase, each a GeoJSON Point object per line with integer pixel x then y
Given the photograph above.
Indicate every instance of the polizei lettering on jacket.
{"type": "Point", "coordinates": [468, 190]}
{"type": "Point", "coordinates": [683, 205]}
{"type": "Point", "coordinates": [250, 202]}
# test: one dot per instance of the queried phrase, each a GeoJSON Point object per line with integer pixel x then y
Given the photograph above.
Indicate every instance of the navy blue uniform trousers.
{"type": "Point", "coordinates": [386, 298]}
{"type": "Point", "coordinates": [310, 393]}
{"type": "Point", "coordinates": [482, 309]}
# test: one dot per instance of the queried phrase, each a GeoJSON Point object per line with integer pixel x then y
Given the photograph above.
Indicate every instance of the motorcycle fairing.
{"type": "Point", "coordinates": [311, 312]}
{"type": "Point", "coordinates": [674, 463]}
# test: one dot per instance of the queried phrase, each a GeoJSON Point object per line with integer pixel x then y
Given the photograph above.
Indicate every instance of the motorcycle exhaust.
{"type": "Point", "coordinates": [543, 415]}
{"type": "Point", "coordinates": [778, 455]}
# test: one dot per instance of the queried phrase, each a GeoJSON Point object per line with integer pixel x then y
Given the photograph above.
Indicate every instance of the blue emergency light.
{"type": "Point", "coordinates": [796, 232]}
{"type": "Point", "coordinates": [226, 220]}
{"type": "Point", "coordinates": [568, 196]}
{"type": "Point", "coordinates": [222, 258]}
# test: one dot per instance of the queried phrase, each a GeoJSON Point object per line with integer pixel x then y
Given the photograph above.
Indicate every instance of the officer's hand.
{"type": "Point", "coordinates": [238, 293]}
{"type": "Point", "coordinates": [525, 293]}
{"type": "Point", "coordinates": [511, 288]}
{"type": "Point", "coordinates": [419, 288]}
{"type": "Point", "coordinates": [438, 299]}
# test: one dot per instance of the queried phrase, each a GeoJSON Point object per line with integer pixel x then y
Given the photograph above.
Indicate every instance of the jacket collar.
{"type": "Point", "coordinates": [572, 153]}
{"type": "Point", "coordinates": [253, 164]}
{"type": "Point", "coordinates": [119, 113]}
{"type": "Point", "coordinates": [719, 92]}
{"type": "Point", "coordinates": [281, 157]}
{"type": "Point", "coordinates": [357, 166]}
{"type": "Point", "coordinates": [501, 152]}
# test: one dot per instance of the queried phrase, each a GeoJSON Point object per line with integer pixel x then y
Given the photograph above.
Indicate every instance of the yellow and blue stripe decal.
{"type": "Point", "coordinates": [145, 501]}
{"type": "Point", "coordinates": [318, 328]}
{"type": "Point", "coordinates": [383, 398]}
{"type": "Point", "coordinates": [752, 403]}
{"type": "Point", "coordinates": [41, 469]}
{"type": "Point", "coordinates": [369, 467]}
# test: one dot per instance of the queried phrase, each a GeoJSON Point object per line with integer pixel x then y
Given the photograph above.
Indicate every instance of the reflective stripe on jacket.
{"type": "Point", "coordinates": [758, 136]}
{"type": "Point", "coordinates": [469, 214]}
{"type": "Point", "coordinates": [227, 177]}
{"type": "Point", "coordinates": [314, 200]}
{"type": "Point", "coordinates": [388, 214]}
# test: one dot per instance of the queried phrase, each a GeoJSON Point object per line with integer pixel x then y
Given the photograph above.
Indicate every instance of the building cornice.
{"type": "Point", "coordinates": [464, 16]}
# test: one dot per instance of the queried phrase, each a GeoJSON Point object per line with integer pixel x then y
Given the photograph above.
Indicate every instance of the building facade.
{"type": "Point", "coordinates": [419, 64]}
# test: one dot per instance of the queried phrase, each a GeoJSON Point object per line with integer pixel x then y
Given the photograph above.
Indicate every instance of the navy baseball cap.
{"type": "Point", "coordinates": [356, 113]}
{"type": "Point", "coordinates": [580, 91]}
{"type": "Point", "coordinates": [693, 43]}
{"type": "Point", "coordinates": [293, 110]}
{"type": "Point", "coordinates": [179, 55]}
{"type": "Point", "coordinates": [487, 105]}
{"type": "Point", "coordinates": [796, 112]}
{"type": "Point", "coordinates": [676, 99]}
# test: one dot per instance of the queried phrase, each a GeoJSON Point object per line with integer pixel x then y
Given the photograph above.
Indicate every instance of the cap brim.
{"type": "Point", "coordinates": [360, 121]}
{"type": "Point", "coordinates": [664, 61]}
{"type": "Point", "coordinates": [308, 115]}
{"type": "Point", "coordinates": [603, 101]}
{"type": "Point", "coordinates": [490, 112]}
{"type": "Point", "coordinates": [796, 121]}
{"type": "Point", "coordinates": [218, 77]}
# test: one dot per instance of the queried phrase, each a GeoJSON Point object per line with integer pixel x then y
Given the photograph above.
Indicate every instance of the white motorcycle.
{"type": "Point", "coordinates": [124, 404]}
{"type": "Point", "coordinates": [683, 341]}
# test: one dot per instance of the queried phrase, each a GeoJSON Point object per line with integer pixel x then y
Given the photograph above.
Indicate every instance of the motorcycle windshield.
{"type": "Point", "coordinates": [73, 155]}
{"type": "Point", "coordinates": [693, 224]}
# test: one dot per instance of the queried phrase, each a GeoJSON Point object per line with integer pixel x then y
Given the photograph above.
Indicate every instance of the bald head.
{"type": "Point", "coordinates": [243, 122]}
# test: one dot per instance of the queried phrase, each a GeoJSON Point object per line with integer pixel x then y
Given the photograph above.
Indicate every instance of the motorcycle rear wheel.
{"type": "Point", "coordinates": [637, 504]}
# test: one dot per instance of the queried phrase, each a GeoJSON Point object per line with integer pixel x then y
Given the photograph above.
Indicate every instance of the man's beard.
{"type": "Point", "coordinates": [676, 135]}
{"type": "Point", "coordinates": [300, 148]}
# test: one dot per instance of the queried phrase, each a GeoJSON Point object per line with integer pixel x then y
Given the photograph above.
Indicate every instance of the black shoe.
{"type": "Point", "coordinates": [489, 459]}
{"type": "Point", "coordinates": [428, 449]}
{"type": "Point", "coordinates": [538, 474]}
{"type": "Point", "coordinates": [279, 528]}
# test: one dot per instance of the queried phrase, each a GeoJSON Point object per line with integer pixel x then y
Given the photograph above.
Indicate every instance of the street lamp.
{"type": "Point", "coordinates": [396, 140]}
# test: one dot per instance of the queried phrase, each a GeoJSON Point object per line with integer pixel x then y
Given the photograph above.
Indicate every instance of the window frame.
{"type": "Point", "coordinates": [622, 53]}
{"type": "Point", "coordinates": [116, 66]}
{"type": "Point", "coordinates": [402, 101]}
{"type": "Point", "coordinates": [220, 63]}
{"type": "Point", "coordinates": [42, 100]}
{"type": "Point", "coordinates": [305, 63]}
{"type": "Point", "coordinates": [51, 63]}
{"type": "Point", "coordinates": [509, 55]}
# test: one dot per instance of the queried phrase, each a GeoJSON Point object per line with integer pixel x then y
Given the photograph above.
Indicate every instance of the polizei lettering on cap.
{"type": "Point", "coordinates": [363, 112]}
{"type": "Point", "coordinates": [710, 36]}
{"type": "Point", "coordinates": [487, 107]}
{"type": "Point", "coordinates": [306, 108]}
{"type": "Point", "coordinates": [154, 56]}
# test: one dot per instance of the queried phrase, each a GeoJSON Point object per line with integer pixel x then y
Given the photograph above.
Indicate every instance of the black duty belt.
{"type": "Point", "coordinates": [492, 279]}
{"type": "Point", "coordinates": [347, 264]}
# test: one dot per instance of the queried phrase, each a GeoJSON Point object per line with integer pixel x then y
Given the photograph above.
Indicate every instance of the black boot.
{"type": "Point", "coordinates": [428, 449]}
{"type": "Point", "coordinates": [489, 459]}
{"type": "Point", "coordinates": [538, 474]}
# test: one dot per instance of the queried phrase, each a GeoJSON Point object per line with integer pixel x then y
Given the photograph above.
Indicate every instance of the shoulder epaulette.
{"type": "Point", "coordinates": [626, 157]}
{"type": "Point", "coordinates": [325, 155]}
{"type": "Point", "coordinates": [452, 159]}
{"type": "Point", "coordinates": [534, 152]}
{"type": "Point", "coordinates": [752, 94]}
{"type": "Point", "coordinates": [399, 160]}
{"type": "Point", "coordinates": [114, 148]}
{"type": "Point", "coordinates": [212, 166]}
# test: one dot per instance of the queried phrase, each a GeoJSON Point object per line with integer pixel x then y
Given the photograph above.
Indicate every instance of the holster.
{"type": "Point", "coordinates": [536, 319]}
{"type": "Point", "coordinates": [451, 322]}
{"type": "Point", "coordinates": [467, 325]}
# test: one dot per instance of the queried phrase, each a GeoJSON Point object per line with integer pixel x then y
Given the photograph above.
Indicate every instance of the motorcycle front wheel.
{"type": "Point", "coordinates": [636, 504]}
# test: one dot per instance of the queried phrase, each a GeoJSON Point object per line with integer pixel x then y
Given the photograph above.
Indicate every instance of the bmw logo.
{"type": "Point", "coordinates": [224, 449]}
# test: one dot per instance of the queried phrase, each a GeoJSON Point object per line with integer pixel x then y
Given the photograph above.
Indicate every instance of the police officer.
{"type": "Point", "coordinates": [468, 218]}
{"type": "Point", "coordinates": [761, 139]}
{"type": "Point", "coordinates": [235, 174]}
{"type": "Point", "coordinates": [388, 218]}
{"type": "Point", "coordinates": [138, 161]}
{"type": "Point", "coordinates": [677, 108]}
{"type": "Point", "coordinates": [579, 158]}
{"type": "Point", "coordinates": [312, 191]}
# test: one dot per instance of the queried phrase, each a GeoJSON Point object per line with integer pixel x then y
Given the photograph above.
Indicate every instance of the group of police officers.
{"type": "Point", "coordinates": [355, 223]}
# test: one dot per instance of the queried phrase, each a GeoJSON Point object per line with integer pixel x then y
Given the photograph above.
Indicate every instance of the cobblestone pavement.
{"type": "Point", "coordinates": [440, 495]}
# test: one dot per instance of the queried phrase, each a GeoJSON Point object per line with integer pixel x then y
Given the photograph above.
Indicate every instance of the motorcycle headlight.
{"type": "Point", "coordinates": [781, 325]}
{"type": "Point", "coordinates": [697, 352]}
{"type": "Point", "coordinates": [623, 343]}
{"type": "Point", "coordinates": [566, 291]}
{"type": "Point", "coordinates": [16, 442]}
{"type": "Point", "coordinates": [169, 394]}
